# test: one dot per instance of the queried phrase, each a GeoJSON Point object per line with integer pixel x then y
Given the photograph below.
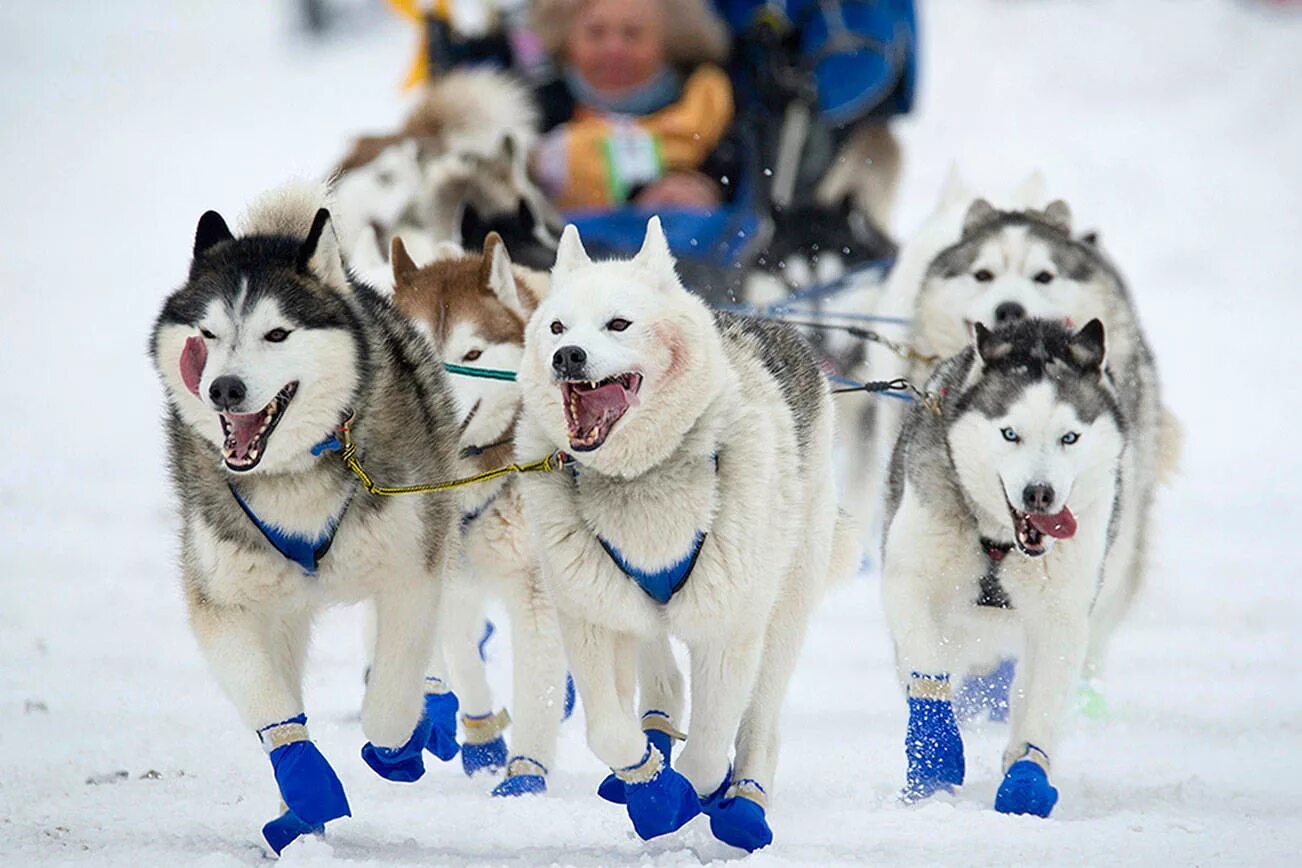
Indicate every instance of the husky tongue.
{"type": "Point", "coordinates": [1060, 526]}
{"type": "Point", "coordinates": [244, 428]}
{"type": "Point", "coordinates": [596, 405]}
{"type": "Point", "coordinates": [193, 358]}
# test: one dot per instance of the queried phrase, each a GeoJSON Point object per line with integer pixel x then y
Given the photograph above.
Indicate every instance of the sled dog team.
{"type": "Point", "coordinates": [689, 492]}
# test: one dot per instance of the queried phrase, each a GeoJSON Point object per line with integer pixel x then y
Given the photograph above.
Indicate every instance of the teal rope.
{"type": "Point", "coordinates": [484, 373]}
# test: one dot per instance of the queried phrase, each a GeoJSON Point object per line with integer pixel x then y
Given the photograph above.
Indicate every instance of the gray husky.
{"type": "Point", "coordinates": [265, 352]}
{"type": "Point", "coordinates": [1026, 263]}
{"type": "Point", "coordinates": [1001, 509]}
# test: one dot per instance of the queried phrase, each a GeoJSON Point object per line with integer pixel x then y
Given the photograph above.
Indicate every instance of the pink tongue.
{"type": "Point", "coordinates": [244, 427]}
{"type": "Point", "coordinates": [193, 358]}
{"type": "Point", "coordinates": [1060, 526]}
{"type": "Point", "coordinates": [600, 402]}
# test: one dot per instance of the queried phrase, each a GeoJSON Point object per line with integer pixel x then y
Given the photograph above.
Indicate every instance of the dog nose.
{"type": "Point", "coordinates": [1037, 498]}
{"type": "Point", "coordinates": [226, 392]}
{"type": "Point", "coordinates": [568, 362]}
{"type": "Point", "coordinates": [1009, 310]}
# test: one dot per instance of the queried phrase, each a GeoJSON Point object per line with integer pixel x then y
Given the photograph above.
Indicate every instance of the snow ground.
{"type": "Point", "coordinates": [1173, 127]}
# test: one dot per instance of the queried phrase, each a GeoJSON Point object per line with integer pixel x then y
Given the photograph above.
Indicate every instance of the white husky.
{"type": "Point", "coordinates": [700, 504]}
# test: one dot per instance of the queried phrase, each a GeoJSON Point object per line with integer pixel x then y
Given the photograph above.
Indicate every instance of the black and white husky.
{"type": "Point", "coordinates": [1001, 512]}
{"type": "Point", "coordinates": [264, 352]}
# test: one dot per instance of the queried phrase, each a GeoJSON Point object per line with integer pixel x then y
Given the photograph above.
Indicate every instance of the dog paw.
{"type": "Point", "coordinates": [986, 694]}
{"type": "Point", "coordinates": [521, 785]}
{"type": "Point", "coordinates": [934, 749]}
{"type": "Point", "coordinates": [308, 785]}
{"type": "Point", "coordinates": [404, 764]}
{"type": "Point", "coordinates": [661, 805]}
{"type": "Point", "coordinates": [489, 756]}
{"type": "Point", "coordinates": [286, 829]}
{"type": "Point", "coordinates": [441, 710]}
{"type": "Point", "coordinates": [738, 820]}
{"type": "Point", "coordinates": [1026, 790]}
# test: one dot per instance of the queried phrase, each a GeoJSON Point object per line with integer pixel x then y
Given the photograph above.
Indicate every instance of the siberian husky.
{"type": "Point", "coordinates": [264, 353]}
{"type": "Point", "coordinates": [1001, 510]}
{"type": "Point", "coordinates": [700, 504]}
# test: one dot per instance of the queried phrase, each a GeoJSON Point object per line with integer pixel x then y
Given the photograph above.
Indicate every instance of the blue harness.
{"type": "Point", "coordinates": [304, 551]}
{"type": "Point", "coordinates": [468, 517]}
{"type": "Point", "coordinates": [660, 585]}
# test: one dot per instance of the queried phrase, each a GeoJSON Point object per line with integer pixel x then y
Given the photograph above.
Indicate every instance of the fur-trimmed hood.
{"type": "Point", "coordinates": [694, 34]}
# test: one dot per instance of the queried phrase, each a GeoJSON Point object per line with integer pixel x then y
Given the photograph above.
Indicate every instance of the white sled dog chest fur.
{"type": "Point", "coordinates": [701, 504]}
{"type": "Point", "coordinates": [1001, 510]}
{"type": "Point", "coordinates": [264, 352]}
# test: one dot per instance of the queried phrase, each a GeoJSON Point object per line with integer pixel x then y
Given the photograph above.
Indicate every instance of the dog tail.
{"type": "Point", "coordinates": [847, 553]}
{"type": "Point", "coordinates": [286, 210]}
{"type": "Point", "coordinates": [1170, 443]}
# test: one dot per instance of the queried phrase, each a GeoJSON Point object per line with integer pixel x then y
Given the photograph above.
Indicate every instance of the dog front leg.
{"type": "Point", "coordinates": [257, 659]}
{"type": "Point", "coordinates": [1055, 647]}
{"type": "Point", "coordinates": [658, 799]}
{"type": "Point", "coordinates": [393, 717]}
{"type": "Point", "coordinates": [924, 656]}
{"type": "Point", "coordinates": [539, 675]}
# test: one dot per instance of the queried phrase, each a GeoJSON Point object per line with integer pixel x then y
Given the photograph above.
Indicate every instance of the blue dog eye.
{"type": "Point", "coordinates": [1069, 438]}
{"type": "Point", "coordinates": [1010, 435]}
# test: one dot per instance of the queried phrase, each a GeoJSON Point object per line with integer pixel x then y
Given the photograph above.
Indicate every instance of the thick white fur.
{"type": "Point", "coordinates": [770, 514]}
{"type": "Point", "coordinates": [251, 609]}
{"type": "Point", "coordinates": [929, 577]}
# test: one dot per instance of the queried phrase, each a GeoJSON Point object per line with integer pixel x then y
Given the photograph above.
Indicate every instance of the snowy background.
{"type": "Point", "coordinates": [1176, 128]}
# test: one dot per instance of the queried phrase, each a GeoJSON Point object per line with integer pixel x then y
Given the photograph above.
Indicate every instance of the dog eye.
{"type": "Point", "coordinates": [618, 324]}
{"type": "Point", "coordinates": [982, 275]}
{"type": "Point", "coordinates": [1043, 277]}
{"type": "Point", "coordinates": [557, 327]}
{"type": "Point", "coordinates": [276, 335]}
{"type": "Point", "coordinates": [207, 334]}
{"type": "Point", "coordinates": [1010, 435]}
{"type": "Point", "coordinates": [471, 356]}
{"type": "Point", "coordinates": [1069, 438]}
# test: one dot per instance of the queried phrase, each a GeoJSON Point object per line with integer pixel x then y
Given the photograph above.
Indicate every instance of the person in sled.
{"type": "Point", "coordinates": [639, 110]}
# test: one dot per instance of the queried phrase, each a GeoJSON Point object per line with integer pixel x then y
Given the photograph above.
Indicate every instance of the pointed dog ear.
{"type": "Point", "coordinates": [319, 254]}
{"type": "Point", "coordinates": [212, 230]}
{"type": "Point", "coordinates": [570, 253]}
{"type": "Point", "coordinates": [989, 348]}
{"type": "Point", "coordinates": [655, 255]}
{"type": "Point", "coordinates": [495, 272]}
{"type": "Point", "coordinates": [978, 212]}
{"type": "Point", "coordinates": [404, 267]}
{"type": "Point", "coordinates": [1087, 346]}
{"type": "Point", "coordinates": [1058, 215]}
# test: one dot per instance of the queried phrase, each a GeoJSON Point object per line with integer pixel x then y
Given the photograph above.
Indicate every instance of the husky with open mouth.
{"type": "Point", "coordinates": [1002, 508]}
{"type": "Point", "coordinates": [700, 504]}
{"type": "Point", "coordinates": [265, 352]}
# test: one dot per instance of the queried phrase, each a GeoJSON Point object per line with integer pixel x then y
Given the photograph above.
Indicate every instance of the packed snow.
{"type": "Point", "coordinates": [1174, 128]}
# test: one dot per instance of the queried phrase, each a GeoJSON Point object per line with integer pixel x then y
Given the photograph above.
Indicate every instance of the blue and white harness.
{"type": "Point", "coordinates": [660, 585]}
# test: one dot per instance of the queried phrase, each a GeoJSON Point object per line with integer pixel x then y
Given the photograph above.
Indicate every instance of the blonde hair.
{"type": "Point", "coordinates": [693, 32]}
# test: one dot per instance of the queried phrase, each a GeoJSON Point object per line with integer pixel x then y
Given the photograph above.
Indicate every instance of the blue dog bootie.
{"type": "Point", "coordinates": [308, 786]}
{"type": "Point", "coordinates": [404, 764]}
{"type": "Point", "coordinates": [659, 800]}
{"type": "Point", "coordinates": [986, 694]}
{"type": "Point", "coordinates": [737, 813]}
{"type": "Point", "coordinates": [1026, 788]}
{"type": "Point", "coordinates": [933, 745]}
{"type": "Point", "coordinates": [661, 735]}
{"type": "Point", "coordinates": [441, 708]}
{"type": "Point", "coordinates": [286, 829]}
{"type": "Point", "coordinates": [525, 776]}
{"type": "Point", "coordinates": [484, 748]}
